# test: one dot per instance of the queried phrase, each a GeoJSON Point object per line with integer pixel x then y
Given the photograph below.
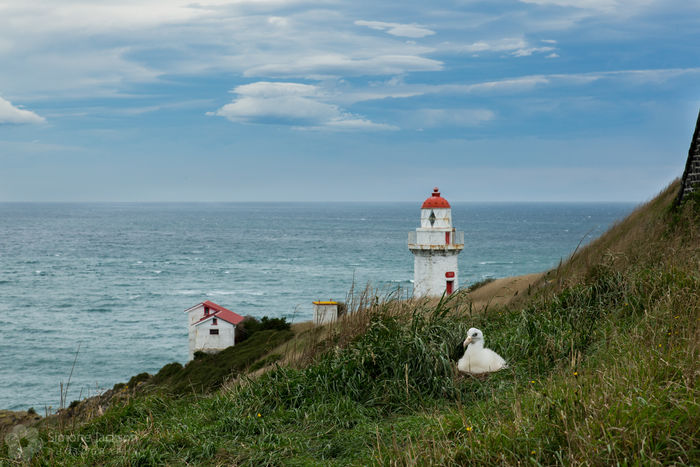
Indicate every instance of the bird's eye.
{"type": "Point", "coordinates": [475, 334]}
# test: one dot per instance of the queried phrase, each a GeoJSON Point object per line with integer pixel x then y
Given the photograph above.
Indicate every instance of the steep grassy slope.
{"type": "Point", "coordinates": [209, 372]}
{"type": "Point", "coordinates": [604, 369]}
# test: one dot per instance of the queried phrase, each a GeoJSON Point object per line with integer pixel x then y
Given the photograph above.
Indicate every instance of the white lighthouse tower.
{"type": "Point", "coordinates": [435, 246]}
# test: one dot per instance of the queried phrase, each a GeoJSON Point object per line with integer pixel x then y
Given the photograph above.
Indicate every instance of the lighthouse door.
{"type": "Point", "coordinates": [449, 290]}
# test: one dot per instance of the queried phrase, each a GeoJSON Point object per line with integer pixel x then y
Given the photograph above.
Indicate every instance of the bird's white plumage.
{"type": "Point", "coordinates": [476, 358]}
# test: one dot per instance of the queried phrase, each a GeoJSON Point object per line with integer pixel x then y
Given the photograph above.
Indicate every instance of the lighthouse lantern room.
{"type": "Point", "coordinates": [435, 246]}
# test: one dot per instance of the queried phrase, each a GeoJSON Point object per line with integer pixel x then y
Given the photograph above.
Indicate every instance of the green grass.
{"type": "Point", "coordinates": [603, 370]}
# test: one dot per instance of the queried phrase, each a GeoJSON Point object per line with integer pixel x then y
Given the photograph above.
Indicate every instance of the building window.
{"type": "Point", "coordinates": [213, 331]}
{"type": "Point", "coordinates": [214, 321]}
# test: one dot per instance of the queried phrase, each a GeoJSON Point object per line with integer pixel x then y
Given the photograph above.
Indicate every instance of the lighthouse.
{"type": "Point", "coordinates": [435, 246]}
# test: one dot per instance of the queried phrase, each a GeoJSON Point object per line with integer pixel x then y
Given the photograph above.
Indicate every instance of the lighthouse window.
{"type": "Point", "coordinates": [432, 218]}
{"type": "Point", "coordinates": [214, 321]}
{"type": "Point", "coordinates": [213, 331]}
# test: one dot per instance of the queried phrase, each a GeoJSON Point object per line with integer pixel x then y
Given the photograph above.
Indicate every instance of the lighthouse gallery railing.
{"type": "Point", "coordinates": [436, 238]}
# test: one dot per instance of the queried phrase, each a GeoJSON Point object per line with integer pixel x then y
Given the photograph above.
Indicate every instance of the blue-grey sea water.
{"type": "Point", "coordinates": [114, 278]}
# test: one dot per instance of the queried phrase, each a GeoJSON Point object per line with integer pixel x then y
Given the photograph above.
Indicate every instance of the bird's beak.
{"type": "Point", "coordinates": [467, 341]}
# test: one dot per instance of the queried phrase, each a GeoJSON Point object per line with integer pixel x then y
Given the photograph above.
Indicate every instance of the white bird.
{"type": "Point", "coordinates": [476, 358]}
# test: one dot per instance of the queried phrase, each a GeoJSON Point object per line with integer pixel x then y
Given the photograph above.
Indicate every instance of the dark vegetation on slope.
{"type": "Point", "coordinates": [251, 325]}
{"type": "Point", "coordinates": [604, 370]}
{"type": "Point", "coordinates": [207, 372]}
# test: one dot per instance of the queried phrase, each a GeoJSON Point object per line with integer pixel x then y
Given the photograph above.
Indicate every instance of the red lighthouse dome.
{"type": "Point", "coordinates": [435, 201]}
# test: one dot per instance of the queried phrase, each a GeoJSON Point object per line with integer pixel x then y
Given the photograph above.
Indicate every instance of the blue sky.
{"type": "Point", "coordinates": [284, 100]}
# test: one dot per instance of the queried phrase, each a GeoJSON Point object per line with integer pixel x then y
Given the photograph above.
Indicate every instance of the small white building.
{"type": "Point", "coordinates": [325, 312]}
{"type": "Point", "coordinates": [435, 246]}
{"type": "Point", "coordinates": [212, 328]}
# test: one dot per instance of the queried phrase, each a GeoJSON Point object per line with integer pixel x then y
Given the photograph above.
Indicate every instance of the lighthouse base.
{"type": "Point", "coordinates": [435, 272]}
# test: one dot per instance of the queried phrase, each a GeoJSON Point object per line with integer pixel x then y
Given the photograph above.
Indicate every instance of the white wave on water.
{"type": "Point", "coordinates": [215, 293]}
{"type": "Point", "coordinates": [187, 292]}
{"type": "Point", "coordinates": [157, 271]}
{"type": "Point", "coordinates": [257, 294]}
{"type": "Point", "coordinates": [496, 262]}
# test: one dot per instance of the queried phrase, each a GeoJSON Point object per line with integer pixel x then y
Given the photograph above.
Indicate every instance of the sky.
{"type": "Point", "coordinates": [336, 100]}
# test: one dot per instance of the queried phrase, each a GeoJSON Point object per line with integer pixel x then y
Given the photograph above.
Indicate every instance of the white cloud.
{"type": "Point", "coordinates": [103, 48]}
{"type": "Point", "coordinates": [13, 114]}
{"type": "Point", "coordinates": [522, 84]}
{"type": "Point", "coordinates": [105, 16]}
{"type": "Point", "coordinates": [500, 45]}
{"type": "Point", "coordinates": [397, 29]}
{"type": "Point", "coordinates": [267, 90]}
{"type": "Point", "coordinates": [430, 118]}
{"type": "Point", "coordinates": [348, 122]}
{"type": "Point", "coordinates": [101, 73]}
{"type": "Point", "coordinates": [606, 6]}
{"type": "Point", "coordinates": [526, 52]}
{"type": "Point", "coordinates": [313, 66]}
{"type": "Point", "coordinates": [401, 90]}
{"type": "Point", "coordinates": [655, 76]}
{"type": "Point", "coordinates": [294, 104]}
{"type": "Point", "coordinates": [515, 46]}
{"type": "Point", "coordinates": [398, 89]}
{"type": "Point", "coordinates": [278, 21]}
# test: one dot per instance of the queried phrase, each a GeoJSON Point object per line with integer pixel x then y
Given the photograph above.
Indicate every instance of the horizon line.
{"type": "Point", "coordinates": [306, 201]}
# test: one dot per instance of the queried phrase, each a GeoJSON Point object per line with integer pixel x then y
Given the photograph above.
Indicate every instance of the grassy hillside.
{"type": "Point", "coordinates": [603, 369]}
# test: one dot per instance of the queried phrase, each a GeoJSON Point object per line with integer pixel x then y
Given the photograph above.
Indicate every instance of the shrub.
{"type": "Point", "coordinates": [135, 380]}
{"type": "Point", "coordinates": [250, 325]}
{"type": "Point", "coordinates": [167, 372]}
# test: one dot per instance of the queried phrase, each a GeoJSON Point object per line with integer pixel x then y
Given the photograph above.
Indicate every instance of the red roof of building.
{"type": "Point", "coordinates": [435, 201]}
{"type": "Point", "coordinates": [219, 312]}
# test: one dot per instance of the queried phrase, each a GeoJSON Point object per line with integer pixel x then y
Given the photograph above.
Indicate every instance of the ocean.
{"type": "Point", "coordinates": [108, 282]}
